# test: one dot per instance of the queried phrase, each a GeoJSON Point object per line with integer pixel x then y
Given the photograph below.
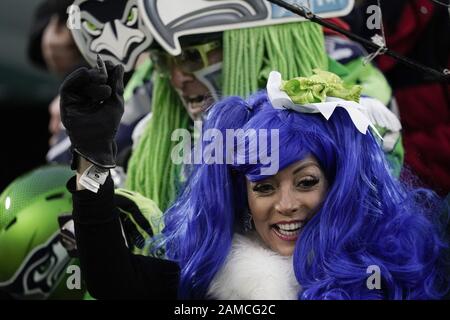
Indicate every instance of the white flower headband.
{"type": "Point", "coordinates": [323, 93]}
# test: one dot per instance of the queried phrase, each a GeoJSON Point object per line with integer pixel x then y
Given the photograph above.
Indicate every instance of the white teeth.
{"type": "Point", "coordinates": [290, 227]}
{"type": "Point", "coordinates": [288, 233]}
{"type": "Point", "coordinates": [195, 105]}
{"type": "Point", "coordinates": [196, 100]}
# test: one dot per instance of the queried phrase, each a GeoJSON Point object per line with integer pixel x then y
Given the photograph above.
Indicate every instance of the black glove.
{"type": "Point", "coordinates": [91, 109]}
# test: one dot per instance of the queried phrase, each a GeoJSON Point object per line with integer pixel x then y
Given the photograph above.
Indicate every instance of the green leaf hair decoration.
{"type": "Point", "coordinates": [316, 88]}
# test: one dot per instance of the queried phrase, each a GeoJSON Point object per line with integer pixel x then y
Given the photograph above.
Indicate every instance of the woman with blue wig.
{"type": "Point", "coordinates": [301, 204]}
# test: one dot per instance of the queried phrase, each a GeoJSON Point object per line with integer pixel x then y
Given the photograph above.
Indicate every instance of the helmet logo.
{"type": "Point", "coordinates": [40, 271]}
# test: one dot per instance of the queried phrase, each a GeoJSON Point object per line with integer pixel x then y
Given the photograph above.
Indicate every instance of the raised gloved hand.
{"type": "Point", "coordinates": [91, 109]}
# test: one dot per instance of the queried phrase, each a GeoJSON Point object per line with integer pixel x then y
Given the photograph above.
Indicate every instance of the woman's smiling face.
{"type": "Point", "coordinates": [282, 204]}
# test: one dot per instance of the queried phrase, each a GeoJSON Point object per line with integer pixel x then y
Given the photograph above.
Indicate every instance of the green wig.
{"type": "Point", "coordinates": [294, 49]}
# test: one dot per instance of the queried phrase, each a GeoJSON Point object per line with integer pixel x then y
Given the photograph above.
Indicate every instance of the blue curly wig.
{"type": "Point", "coordinates": [368, 217]}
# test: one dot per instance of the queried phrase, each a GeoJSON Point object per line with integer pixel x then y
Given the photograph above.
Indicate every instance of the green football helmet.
{"type": "Point", "coordinates": [33, 262]}
{"type": "Point", "coordinates": [34, 258]}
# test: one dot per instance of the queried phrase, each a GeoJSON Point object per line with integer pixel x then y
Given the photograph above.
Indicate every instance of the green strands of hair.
{"type": "Point", "coordinates": [151, 171]}
{"type": "Point", "coordinates": [293, 49]}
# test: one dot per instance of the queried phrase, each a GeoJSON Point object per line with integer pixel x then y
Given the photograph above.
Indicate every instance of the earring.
{"type": "Point", "coordinates": [248, 221]}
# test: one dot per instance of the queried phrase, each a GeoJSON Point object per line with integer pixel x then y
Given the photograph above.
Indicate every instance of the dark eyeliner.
{"type": "Point", "coordinates": [307, 183]}
{"type": "Point", "coordinates": [263, 188]}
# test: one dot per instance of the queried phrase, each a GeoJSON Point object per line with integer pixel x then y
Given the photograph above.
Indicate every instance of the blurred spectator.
{"type": "Point", "coordinates": [420, 30]}
{"type": "Point", "coordinates": [51, 47]}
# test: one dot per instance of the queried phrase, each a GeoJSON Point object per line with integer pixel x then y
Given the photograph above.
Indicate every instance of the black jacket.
{"type": "Point", "coordinates": [110, 270]}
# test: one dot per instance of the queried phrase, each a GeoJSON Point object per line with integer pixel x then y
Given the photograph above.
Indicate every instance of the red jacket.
{"type": "Point", "coordinates": [419, 29]}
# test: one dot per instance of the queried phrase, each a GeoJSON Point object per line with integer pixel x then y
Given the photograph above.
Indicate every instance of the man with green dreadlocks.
{"type": "Point", "coordinates": [205, 65]}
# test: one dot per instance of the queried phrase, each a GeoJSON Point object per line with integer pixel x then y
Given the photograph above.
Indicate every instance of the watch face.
{"type": "Point", "coordinates": [113, 29]}
{"type": "Point", "coordinates": [168, 20]}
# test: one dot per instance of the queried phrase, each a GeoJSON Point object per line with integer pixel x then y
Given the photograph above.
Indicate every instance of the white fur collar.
{"type": "Point", "coordinates": [253, 272]}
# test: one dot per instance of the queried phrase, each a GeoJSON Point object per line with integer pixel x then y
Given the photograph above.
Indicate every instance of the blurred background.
{"type": "Point", "coordinates": [25, 94]}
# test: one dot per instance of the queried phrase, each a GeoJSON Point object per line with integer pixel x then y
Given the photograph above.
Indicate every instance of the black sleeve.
{"type": "Point", "coordinates": [110, 270]}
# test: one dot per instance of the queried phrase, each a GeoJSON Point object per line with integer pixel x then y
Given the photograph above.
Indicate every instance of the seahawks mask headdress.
{"type": "Point", "coordinates": [168, 20]}
{"type": "Point", "coordinates": [120, 30]}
